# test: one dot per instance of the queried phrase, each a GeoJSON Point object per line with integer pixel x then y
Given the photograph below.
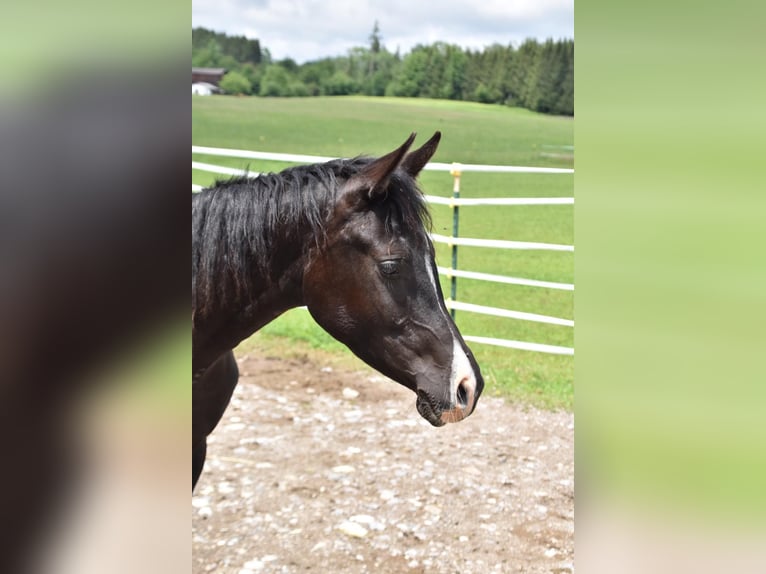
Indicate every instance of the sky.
{"type": "Point", "coordinates": [307, 30]}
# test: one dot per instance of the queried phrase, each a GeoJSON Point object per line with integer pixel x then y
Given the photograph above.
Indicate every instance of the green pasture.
{"type": "Point", "coordinates": [472, 133]}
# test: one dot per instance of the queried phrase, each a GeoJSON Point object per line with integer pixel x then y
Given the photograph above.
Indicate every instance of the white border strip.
{"type": "Point", "coordinates": [436, 199]}
{"type": "Point", "coordinates": [504, 279]}
{"type": "Point", "coordinates": [434, 166]}
{"type": "Point", "coordinates": [499, 243]}
{"type": "Point", "coordinates": [524, 346]}
{"type": "Point", "coordinates": [497, 312]}
{"type": "Point", "coordinates": [196, 187]}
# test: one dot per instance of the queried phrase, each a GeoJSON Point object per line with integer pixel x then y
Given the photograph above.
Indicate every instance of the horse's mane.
{"type": "Point", "coordinates": [236, 221]}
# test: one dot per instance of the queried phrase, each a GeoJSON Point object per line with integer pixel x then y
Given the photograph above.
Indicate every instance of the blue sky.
{"type": "Point", "coordinates": [308, 30]}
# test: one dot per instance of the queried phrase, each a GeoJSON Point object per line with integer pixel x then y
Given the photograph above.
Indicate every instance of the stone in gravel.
{"type": "Point", "coordinates": [368, 521]}
{"type": "Point", "coordinates": [319, 546]}
{"type": "Point", "coordinates": [252, 566]}
{"type": "Point", "coordinates": [349, 393]}
{"type": "Point", "coordinates": [225, 488]}
{"type": "Point", "coordinates": [353, 529]}
{"type": "Point", "coordinates": [343, 469]}
{"type": "Point", "coordinates": [433, 509]}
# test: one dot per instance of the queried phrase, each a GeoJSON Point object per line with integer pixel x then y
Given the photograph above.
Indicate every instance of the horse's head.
{"type": "Point", "coordinates": [373, 285]}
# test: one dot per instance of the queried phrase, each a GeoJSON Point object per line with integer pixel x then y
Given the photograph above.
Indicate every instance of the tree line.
{"type": "Point", "coordinates": [536, 75]}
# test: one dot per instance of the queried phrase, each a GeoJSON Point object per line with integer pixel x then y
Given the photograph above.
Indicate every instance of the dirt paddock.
{"type": "Point", "coordinates": [322, 469]}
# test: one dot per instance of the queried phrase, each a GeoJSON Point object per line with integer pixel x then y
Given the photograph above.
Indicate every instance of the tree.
{"type": "Point", "coordinates": [243, 49]}
{"type": "Point", "coordinates": [375, 46]}
{"type": "Point", "coordinates": [483, 94]}
{"type": "Point", "coordinates": [497, 61]}
{"type": "Point", "coordinates": [523, 76]}
{"type": "Point", "coordinates": [253, 74]}
{"type": "Point", "coordinates": [547, 77]}
{"type": "Point", "coordinates": [411, 77]}
{"type": "Point", "coordinates": [275, 82]}
{"type": "Point", "coordinates": [212, 56]}
{"type": "Point", "coordinates": [298, 89]}
{"type": "Point", "coordinates": [376, 84]}
{"type": "Point", "coordinates": [313, 73]}
{"type": "Point", "coordinates": [339, 84]}
{"type": "Point", "coordinates": [565, 102]}
{"type": "Point", "coordinates": [375, 39]}
{"type": "Point", "coordinates": [239, 48]}
{"type": "Point", "coordinates": [235, 83]}
{"type": "Point", "coordinates": [453, 79]}
{"type": "Point", "coordinates": [288, 64]}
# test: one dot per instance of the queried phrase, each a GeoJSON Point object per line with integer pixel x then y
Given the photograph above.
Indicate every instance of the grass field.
{"type": "Point", "coordinates": [472, 133]}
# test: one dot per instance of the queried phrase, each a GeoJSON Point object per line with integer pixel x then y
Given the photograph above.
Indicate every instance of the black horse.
{"type": "Point", "coordinates": [348, 239]}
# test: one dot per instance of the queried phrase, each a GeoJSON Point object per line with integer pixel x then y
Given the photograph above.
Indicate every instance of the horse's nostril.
{"type": "Point", "coordinates": [462, 395]}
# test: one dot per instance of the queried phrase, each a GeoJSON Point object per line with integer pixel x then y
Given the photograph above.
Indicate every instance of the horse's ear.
{"type": "Point", "coordinates": [373, 178]}
{"type": "Point", "coordinates": [416, 160]}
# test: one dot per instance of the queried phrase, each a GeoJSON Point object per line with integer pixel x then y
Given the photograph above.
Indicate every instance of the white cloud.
{"type": "Point", "coordinates": [311, 29]}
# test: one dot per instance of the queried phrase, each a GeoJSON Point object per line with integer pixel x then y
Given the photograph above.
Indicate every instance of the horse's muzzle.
{"type": "Point", "coordinates": [427, 410]}
{"type": "Point", "coordinates": [461, 405]}
{"type": "Point", "coordinates": [465, 401]}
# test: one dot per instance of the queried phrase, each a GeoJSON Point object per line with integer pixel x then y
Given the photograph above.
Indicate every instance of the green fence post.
{"type": "Point", "coordinates": [455, 219]}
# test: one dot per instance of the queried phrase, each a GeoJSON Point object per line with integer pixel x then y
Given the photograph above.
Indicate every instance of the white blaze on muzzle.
{"type": "Point", "coordinates": [462, 386]}
{"type": "Point", "coordinates": [462, 377]}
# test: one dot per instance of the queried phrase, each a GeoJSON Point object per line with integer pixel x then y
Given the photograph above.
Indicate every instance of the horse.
{"type": "Point", "coordinates": [348, 239]}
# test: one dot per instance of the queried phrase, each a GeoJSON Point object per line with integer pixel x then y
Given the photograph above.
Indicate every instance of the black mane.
{"type": "Point", "coordinates": [235, 222]}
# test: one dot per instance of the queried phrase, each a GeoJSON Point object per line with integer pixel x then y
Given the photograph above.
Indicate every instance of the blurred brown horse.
{"type": "Point", "coordinates": [348, 239]}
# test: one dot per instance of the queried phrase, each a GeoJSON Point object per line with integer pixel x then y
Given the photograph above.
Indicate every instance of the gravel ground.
{"type": "Point", "coordinates": [320, 469]}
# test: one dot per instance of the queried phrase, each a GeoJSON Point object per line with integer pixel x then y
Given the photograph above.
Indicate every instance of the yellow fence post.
{"type": "Point", "coordinates": [455, 172]}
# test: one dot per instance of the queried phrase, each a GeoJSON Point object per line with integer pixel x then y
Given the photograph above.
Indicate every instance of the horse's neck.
{"type": "Point", "coordinates": [227, 326]}
{"type": "Point", "coordinates": [272, 290]}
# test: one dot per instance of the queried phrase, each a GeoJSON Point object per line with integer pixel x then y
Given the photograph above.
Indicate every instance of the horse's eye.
{"type": "Point", "coordinates": [389, 267]}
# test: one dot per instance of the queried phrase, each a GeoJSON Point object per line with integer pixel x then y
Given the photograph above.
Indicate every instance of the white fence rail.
{"type": "Point", "coordinates": [453, 202]}
{"type": "Point", "coordinates": [449, 272]}
{"type": "Point", "coordinates": [499, 243]}
{"type": "Point", "coordinates": [498, 312]}
{"type": "Point", "coordinates": [433, 166]}
{"type": "Point", "coordinates": [523, 345]}
{"type": "Point", "coordinates": [223, 170]}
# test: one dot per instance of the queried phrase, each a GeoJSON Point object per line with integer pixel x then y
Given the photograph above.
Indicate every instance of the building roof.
{"type": "Point", "coordinates": [220, 71]}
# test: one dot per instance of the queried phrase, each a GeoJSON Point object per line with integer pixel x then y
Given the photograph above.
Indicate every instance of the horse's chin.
{"type": "Point", "coordinates": [426, 410]}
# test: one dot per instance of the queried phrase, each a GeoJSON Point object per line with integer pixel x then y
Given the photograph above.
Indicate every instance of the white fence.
{"type": "Point", "coordinates": [452, 241]}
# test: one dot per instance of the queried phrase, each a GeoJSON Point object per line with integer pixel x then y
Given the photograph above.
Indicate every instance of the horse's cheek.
{"type": "Point", "coordinates": [313, 293]}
